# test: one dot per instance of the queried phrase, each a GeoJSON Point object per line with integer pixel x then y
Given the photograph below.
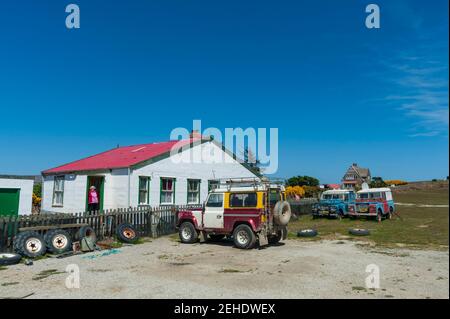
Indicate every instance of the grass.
{"type": "Point", "coordinates": [229, 270]}
{"type": "Point", "coordinates": [47, 273]}
{"type": "Point", "coordinates": [417, 227]}
{"type": "Point", "coordinates": [10, 283]}
{"type": "Point", "coordinates": [3, 268]}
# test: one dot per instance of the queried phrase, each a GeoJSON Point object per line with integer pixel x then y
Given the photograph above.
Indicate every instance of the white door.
{"type": "Point", "coordinates": [213, 217]}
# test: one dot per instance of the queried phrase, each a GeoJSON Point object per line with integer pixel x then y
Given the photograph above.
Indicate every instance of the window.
{"type": "Point", "coordinates": [243, 200]}
{"type": "Point", "coordinates": [274, 197]}
{"type": "Point", "coordinates": [144, 186]}
{"type": "Point", "coordinates": [212, 185]}
{"type": "Point", "coordinates": [215, 200]}
{"type": "Point", "coordinates": [58, 191]}
{"type": "Point", "coordinates": [167, 191]}
{"type": "Point", "coordinates": [193, 191]}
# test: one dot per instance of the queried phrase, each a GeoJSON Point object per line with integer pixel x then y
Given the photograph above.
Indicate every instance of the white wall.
{"type": "Point", "coordinates": [26, 192]}
{"type": "Point", "coordinates": [117, 194]}
{"type": "Point", "coordinates": [183, 171]}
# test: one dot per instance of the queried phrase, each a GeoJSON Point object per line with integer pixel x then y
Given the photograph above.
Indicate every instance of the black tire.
{"type": "Point", "coordinates": [216, 237]}
{"type": "Point", "coordinates": [86, 231]}
{"type": "Point", "coordinates": [58, 241]}
{"type": "Point", "coordinates": [359, 232]}
{"type": "Point", "coordinates": [7, 259]}
{"type": "Point", "coordinates": [127, 233]}
{"type": "Point", "coordinates": [274, 239]}
{"type": "Point", "coordinates": [244, 237]}
{"type": "Point", "coordinates": [187, 232]}
{"type": "Point", "coordinates": [307, 233]}
{"type": "Point", "coordinates": [29, 244]}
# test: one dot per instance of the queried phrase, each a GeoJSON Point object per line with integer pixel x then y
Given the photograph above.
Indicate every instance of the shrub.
{"type": "Point", "coordinates": [295, 191]}
{"type": "Point", "coordinates": [396, 182]}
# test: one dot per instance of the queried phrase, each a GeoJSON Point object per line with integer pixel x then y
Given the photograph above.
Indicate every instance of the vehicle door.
{"type": "Point", "coordinates": [213, 216]}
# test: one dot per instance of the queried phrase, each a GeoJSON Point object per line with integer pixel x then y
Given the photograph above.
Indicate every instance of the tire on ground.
{"type": "Point", "coordinates": [127, 233]}
{"type": "Point", "coordinates": [307, 233]}
{"type": "Point", "coordinates": [58, 241]}
{"type": "Point", "coordinates": [187, 232]}
{"type": "Point", "coordinates": [86, 231]}
{"type": "Point", "coordinates": [7, 259]}
{"type": "Point", "coordinates": [282, 213]}
{"type": "Point", "coordinates": [359, 232]}
{"type": "Point", "coordinates": [244, 237]}
{"type": "Point", "coordinates": [29, 244]}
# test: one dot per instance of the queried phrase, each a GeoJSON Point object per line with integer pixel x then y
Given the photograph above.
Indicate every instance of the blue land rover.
{"type": "Point", "coordinates": [335, 203]}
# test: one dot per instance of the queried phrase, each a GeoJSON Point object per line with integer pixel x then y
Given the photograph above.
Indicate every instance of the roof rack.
{"type": "Point", "coordinates": [246, 182]}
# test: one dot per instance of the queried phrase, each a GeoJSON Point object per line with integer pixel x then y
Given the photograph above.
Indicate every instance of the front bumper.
{"type": "Point", "coordinates": [324, 213]}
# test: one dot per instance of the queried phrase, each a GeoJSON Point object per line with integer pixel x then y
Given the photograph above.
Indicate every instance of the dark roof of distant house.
{"type": "Point", "coordinates": [122, 157]}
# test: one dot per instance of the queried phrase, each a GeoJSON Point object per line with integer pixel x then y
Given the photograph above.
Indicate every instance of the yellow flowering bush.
{"type": "Point", "coordinates": [395, 182]}
{"type": "Point", "coordinates": [293, 191]}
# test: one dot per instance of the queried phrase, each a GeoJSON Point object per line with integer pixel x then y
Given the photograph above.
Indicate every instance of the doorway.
{"type": "Point", "coordinates": [99, 183]}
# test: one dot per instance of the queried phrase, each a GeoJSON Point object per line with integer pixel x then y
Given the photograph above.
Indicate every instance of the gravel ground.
{"type": "Point", "coordinates": [165, 268]}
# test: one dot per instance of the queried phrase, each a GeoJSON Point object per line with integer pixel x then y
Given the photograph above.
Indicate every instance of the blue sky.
{"type": "Point", "coordinates": [338, 92]}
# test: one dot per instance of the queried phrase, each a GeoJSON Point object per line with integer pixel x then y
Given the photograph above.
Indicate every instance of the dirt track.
{"type": "Point", "coordinates": [166, 269]}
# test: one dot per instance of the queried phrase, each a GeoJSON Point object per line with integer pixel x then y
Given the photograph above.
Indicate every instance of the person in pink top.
{"type": "Point", "coordinates": [92, 199]}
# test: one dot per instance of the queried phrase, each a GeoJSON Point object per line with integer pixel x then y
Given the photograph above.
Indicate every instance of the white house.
{"type": "Point", "coordinates": [147, 174]}
{"type": "Point", "coordinates": [16, 195]}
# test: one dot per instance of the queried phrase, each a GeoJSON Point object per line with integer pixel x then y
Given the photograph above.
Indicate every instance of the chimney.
{"type": "Point", "coordinates": [195, 134]}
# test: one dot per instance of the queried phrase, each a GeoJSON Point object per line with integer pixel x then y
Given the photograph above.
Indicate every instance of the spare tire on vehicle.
{"type": "Point", "coordinates": [359, 232]}
{"type": "Point", "coordinates": [29, 244]}
{"type": "Point", "coordinates": [282, 213]}
{"type": "Point", "coordinates": [7, 259]}
{"type": "Point", "coordinates": [58, 241]}
{"type": "Point", "coordinates": [127, 233]}
{"type": "Point", "coordinates": [307, 233]}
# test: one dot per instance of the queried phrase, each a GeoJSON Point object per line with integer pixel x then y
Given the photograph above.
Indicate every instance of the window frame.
{"type": "Point", "coordinates": [63, 179]}
{"type": "Point", "coordinates": [243, 200]}
{"type": "Point", "coordinates": [198, 181]}
{"type": "Point", "coordinates": [161, 191]}
{"type": "Point", "coordinates": [148, 179]}
{"type": "Point", "coordinates": [213, 182]}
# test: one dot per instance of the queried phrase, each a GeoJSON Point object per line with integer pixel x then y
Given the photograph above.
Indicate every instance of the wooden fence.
{"type": "Point", "coordinates": [149, 222]}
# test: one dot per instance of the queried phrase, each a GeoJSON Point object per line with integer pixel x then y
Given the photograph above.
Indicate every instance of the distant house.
{"type": "Point", "coordinates": [139, 175]}
{"type": "Point", "coordinates": [16, 195]}
{"type": "Point", "coordinates": [355, 177]}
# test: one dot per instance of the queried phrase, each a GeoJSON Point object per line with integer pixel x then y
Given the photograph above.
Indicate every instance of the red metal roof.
{"type": "Point", "coordinates": [119, 157]}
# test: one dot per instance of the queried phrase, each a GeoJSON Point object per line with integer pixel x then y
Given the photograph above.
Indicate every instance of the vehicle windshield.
{"type": "Point", "coordinates": [375, 195]}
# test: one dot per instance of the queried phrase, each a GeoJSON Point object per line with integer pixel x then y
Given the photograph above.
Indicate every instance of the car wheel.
{"type": "Point", "coordinates": [7, 259]}
{"type": "Point", "coordinates": [29, 244]}
{"type": "Point", "coordinates": [58, 241]}
{"type": "Point", "coordinates": [307, 233]}
{"type": "Point", "coordinates": [188, 234]}
{"type": "Point", "coordinates": [359, 232]}
{"type": "Point", "coordinates": [127, 233]}
{"type": "Point", "coordinates": [244, 237]}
